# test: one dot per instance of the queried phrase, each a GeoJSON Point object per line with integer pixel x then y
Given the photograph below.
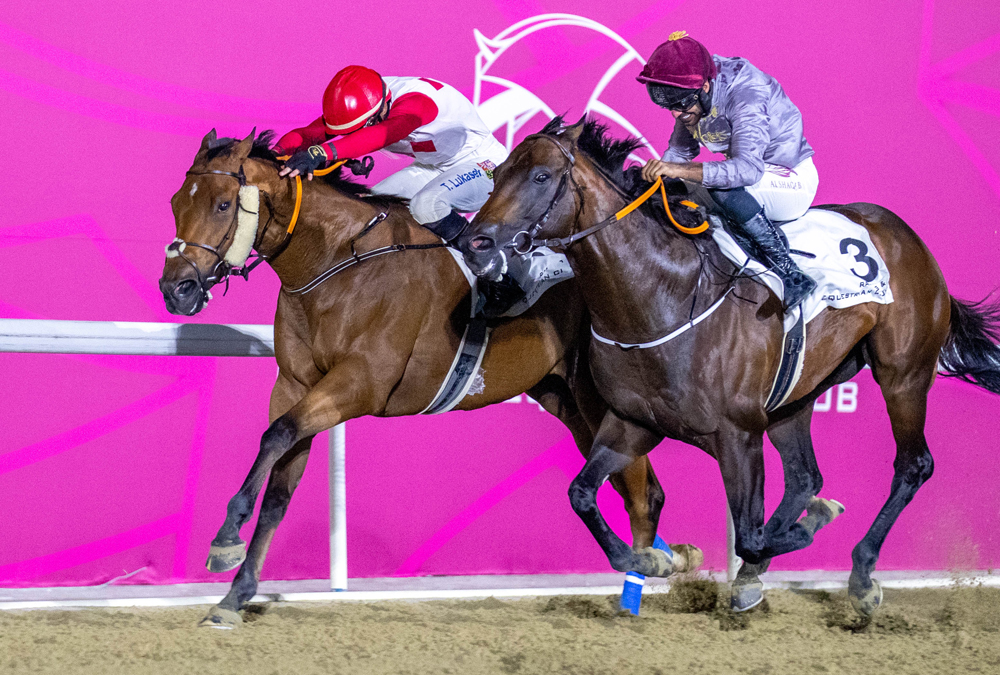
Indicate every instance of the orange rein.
{"type": "Point", "coordinates": [298, 189]}
{"type": "Point", "coordinates": [666, 207]}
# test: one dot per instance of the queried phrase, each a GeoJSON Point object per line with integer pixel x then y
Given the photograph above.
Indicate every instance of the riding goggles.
{"type": "Point", "coordinates": [672, 98]}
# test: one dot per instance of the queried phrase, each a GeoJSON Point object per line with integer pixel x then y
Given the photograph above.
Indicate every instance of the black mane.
{"type": "Point", "coordinates": [607, 152]}
{"type": "Point", "coordinates": [261, 149]}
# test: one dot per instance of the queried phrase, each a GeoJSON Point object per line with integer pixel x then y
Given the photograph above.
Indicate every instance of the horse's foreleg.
{"type": "Point", "coordinates": [637, 484]}
{"type": "Point", "coordinates": [341, 395]}
{"type": "Point", "coordinates": [285, 477]}
{"type": "Point", "coordinates": [619, 445]}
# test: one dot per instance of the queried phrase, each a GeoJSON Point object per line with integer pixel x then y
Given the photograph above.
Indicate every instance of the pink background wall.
{"type": "Point", "coordinates": [113, 465]}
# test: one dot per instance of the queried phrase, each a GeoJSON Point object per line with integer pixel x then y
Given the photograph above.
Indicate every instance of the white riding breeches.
{"type": "Point", "coordinates": [435, 191]}
{"type": "Point", "coordinates": [786, 194]}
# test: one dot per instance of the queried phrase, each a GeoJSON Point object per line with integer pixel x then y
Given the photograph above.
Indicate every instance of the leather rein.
{"type": "Point", "coordinates": [524, 241]}
{"type": "Point", "coordinates": [564, 242]}
{"type": "Point", "coordinates": [222, 270]}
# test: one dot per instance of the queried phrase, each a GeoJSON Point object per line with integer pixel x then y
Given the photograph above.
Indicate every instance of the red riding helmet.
{"type": "Point", "coordinates": [681, 62]}
{"type": "Point", "coordinates": [352, 98]}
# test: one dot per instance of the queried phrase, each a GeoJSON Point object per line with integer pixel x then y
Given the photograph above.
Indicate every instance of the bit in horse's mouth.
{"type": "Point", "coordinates": [496, 268]}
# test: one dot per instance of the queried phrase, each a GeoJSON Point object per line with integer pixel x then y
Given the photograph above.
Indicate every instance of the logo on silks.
{"type": "Point", "coordinates": [488, 168]}
{"type": "Point", "coordinates": [561, 62]}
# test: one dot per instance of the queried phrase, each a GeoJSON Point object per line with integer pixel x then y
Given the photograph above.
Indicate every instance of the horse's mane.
{"type": "Point", "coordinates": [608, 153]}
{"type": "Point", "coordinates": [262, 149]}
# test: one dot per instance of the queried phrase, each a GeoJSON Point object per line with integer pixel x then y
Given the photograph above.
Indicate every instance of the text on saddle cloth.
{"type": "Point", "coordinates": [847, 267]}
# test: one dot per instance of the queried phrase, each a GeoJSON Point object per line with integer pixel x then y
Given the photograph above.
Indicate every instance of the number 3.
{"type": "Point", "coordinates": [869, 262]}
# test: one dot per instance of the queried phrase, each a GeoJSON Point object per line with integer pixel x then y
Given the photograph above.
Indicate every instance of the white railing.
{"type": "Point", "coordinates": [192, 339]}
{"type": "Point", "coordinates": [43, 336]}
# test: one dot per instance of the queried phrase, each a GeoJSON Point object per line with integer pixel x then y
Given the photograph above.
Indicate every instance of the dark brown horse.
{"type": "Point", "coordinates": [641, 279]}
{"type": "Point", "coordinates": [377, 339]}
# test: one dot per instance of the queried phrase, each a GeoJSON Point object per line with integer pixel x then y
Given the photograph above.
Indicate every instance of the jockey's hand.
{"type": "Point", "coordinates": [304, 162]}
{"type": "Point", "coordinates": [655, 168]}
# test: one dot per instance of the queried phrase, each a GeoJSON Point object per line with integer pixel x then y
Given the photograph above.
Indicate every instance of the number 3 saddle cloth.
{"type": "Point", "coordinates": [835, 251]}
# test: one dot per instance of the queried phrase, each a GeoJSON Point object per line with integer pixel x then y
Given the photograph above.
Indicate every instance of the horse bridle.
{"type": "Point", "coordinates": [524, 242]}
{"type": "Point", "coordinates": [222, 270]}
{"type": "Point", "coordinates": [528, 235]}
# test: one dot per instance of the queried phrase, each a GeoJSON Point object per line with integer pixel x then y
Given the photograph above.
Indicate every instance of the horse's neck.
{"type": "Point", "coordinates": [329, 220]}
{"type": "Point", "coordinates": [640, 277]}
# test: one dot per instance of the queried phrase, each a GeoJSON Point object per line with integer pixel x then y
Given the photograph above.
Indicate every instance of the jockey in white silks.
{"type": "Point", "coordinates": [454, 151]}
{"type": "Point", "coordinates": [454, 155]}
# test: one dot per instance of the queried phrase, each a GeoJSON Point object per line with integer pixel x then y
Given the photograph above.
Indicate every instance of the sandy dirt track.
{"type": "Point", "coordinates": [930, 631]}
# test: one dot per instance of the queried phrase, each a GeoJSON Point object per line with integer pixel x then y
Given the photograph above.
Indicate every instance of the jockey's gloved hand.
{"type": "Point", "coordinates": [306, 161]}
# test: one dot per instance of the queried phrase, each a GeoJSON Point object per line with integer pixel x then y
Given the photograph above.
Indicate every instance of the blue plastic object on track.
{"type": "Point", "coordinates": [632, 591]}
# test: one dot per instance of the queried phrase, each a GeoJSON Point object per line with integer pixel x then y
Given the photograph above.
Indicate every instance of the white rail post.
{"type": "Point", "coordinates": [338, 510]}
{"type": "Point", "coordinates": [733, 561]}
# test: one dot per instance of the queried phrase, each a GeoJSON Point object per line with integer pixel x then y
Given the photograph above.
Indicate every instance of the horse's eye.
{"type": "Point", "coordinates": [542, 177]}
{"type": "Point", "coordinates": [224, 206]}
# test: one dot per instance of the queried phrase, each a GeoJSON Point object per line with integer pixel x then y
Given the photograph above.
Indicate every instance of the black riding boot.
{"type": "Point", "coordinates": [449, 227]}
{"type": "Point", "coordinates": [768, 246]}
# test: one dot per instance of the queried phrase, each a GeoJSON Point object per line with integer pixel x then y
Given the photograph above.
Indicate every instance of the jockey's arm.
{"type": "Point", "coordinates": [747, 143]}
{"type": "Point", "coordinates": [301, 138]}
{"type": "Point", "coordinates": [677, 158]}
{"type": "Point", "coordinates": [407, 114]}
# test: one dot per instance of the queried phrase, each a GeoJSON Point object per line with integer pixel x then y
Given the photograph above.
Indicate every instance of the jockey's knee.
{"type": "Point", "coordinates": [429, 206]}
{"type": "Point", "coordinates": [738, 204]}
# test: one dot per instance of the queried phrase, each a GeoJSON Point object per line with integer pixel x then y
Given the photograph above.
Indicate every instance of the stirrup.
{"type": "Point", "coordinates": [798, 285]}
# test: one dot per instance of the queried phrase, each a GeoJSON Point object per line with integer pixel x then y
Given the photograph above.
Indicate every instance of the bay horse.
{"type": "Point", "coordinates": [377, 339]}
{"type": "Point", "coordinates": [641, 278]}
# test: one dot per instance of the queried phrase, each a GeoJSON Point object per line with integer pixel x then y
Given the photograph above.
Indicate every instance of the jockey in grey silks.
{"type": "Point", "coordinates": [731, 107]}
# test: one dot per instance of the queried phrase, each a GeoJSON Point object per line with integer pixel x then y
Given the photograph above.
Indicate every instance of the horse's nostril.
{"type": "Point", "coordinates": [185, 288]}
{"type": "Point", "coordinates": [481, 244]}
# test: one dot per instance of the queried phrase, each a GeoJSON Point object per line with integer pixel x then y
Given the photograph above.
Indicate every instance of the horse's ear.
{"type": "Point", "coordinates": [210, 138]}
{"type": "Point", "coordinates": [242, 149]}
{"type": "Point", "coordinates": [572, 134]}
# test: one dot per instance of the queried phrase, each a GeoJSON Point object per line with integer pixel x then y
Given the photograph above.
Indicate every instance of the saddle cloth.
{"type": "Point", "coordinates": [847, 268]}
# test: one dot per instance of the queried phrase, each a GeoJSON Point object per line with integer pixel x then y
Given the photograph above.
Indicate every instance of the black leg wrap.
{"type": "Point", "coordinates": [765, 243]}
{"type": "Point", "coordinates": [449, 227]}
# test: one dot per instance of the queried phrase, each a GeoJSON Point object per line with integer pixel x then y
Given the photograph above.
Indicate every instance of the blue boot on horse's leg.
{"type": "Point", "coordinates": [765, 243]}
{"type": "Point", "coordinates": [449, 227]}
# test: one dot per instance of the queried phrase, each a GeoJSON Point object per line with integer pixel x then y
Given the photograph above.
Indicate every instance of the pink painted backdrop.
{"type": "Point", "coordinates": [111, 466]}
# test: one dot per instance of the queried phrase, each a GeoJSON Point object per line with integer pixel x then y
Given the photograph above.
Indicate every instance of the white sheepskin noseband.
{"type": "Point", "coordinates": [246, 226]}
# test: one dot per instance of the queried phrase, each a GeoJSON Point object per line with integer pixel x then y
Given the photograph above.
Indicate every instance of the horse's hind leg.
{"type": "Point", "coordinates": [285, 477]}
{"type": "Point", "coordinates": [906, 401]}
{"type": "Point", "coordinates": [792, 438]}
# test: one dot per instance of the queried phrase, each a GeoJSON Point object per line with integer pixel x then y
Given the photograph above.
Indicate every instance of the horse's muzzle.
{"type": "Point", "coordinates": [184, 297]}
{"type": "Point", "coordinates": [483, 256]}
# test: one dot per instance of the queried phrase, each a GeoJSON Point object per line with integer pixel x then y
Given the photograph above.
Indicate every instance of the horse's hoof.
{"type": "Point", "coordinates": [225, 558]}
{"type": "Point", "coordinates": [225, 619]}
{"type": "Point", "coordinates": [687, 558]}
{"type": "Point", "coordinates": [865, 602]}
{"type": "Point", "coordinates": [827, 509]}
{"type": "Point", "coordinates": [654, 562]}
{"type": "Point", "coordinates": [744, 597]}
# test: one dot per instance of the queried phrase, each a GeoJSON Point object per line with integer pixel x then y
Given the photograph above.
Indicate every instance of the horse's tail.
{"type": "Point", "coordinates": [971, 352]}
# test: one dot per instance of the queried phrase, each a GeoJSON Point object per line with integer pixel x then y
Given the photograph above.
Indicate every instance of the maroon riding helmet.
{"type": "Point", "coordinates": [676, 69]}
